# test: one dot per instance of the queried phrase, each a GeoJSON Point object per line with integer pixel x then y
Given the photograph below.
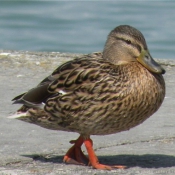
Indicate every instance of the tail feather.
{"type": "Point", "coordinates": [17, 115]}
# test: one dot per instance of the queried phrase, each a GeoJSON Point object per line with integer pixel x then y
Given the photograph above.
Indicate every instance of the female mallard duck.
{"type": "Point", "coordinates": [99, 95]}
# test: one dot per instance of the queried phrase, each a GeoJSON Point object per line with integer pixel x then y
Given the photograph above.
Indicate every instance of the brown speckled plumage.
{"type": "Point", "coordinates": [100, 93]}
{"type": "Point", "coordinates": [108, 101]}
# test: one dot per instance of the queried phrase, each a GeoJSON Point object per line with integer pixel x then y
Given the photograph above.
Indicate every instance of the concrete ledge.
{"type": "Point", "coordinates": [45, 59]}
{"type": "Point", "coordinates": [28, 149]}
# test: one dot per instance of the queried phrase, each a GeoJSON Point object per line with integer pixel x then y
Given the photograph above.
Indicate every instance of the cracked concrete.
{"type": "Point", "coordinates": [29, 149]}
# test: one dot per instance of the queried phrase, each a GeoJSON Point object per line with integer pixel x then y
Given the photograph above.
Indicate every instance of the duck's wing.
{"type": "Point", "coordinates": [34, 97]}
{"type": "Point", "coordinates": [64, 79]}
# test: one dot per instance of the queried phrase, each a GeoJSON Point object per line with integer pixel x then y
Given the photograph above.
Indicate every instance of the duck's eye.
{"type": "Point", "coordinates": [128, 41]}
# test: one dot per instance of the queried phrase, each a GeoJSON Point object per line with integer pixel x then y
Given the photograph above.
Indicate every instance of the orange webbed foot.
{"type": "Point", "coordinates": [93, 160]}
{"type": "Point", "coordinates": [75, 154]}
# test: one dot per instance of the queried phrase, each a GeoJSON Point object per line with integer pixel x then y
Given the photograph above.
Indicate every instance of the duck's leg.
{"type": "Point", "coordinates": [75, 154]}
{"type": "Point", "coordinates": [93, 160]}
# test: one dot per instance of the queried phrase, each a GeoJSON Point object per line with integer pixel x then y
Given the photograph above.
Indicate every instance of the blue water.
{"type": "Point", "coordinates": [82, 27]}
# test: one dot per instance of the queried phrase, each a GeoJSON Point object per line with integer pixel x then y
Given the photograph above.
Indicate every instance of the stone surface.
{"type": "Point", "coordinates": [29, 149]}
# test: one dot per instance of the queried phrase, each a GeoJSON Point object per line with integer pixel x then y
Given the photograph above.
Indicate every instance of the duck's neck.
{"type": "Point", "coordinates": [116, 54]}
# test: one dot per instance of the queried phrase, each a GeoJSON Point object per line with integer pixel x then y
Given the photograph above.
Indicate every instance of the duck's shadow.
{"type": "Point", "coordinates": [143, 161]}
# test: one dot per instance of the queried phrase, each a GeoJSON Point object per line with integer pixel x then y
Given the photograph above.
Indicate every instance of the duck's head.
{"type": "Point", "coordinates": [126, 44]}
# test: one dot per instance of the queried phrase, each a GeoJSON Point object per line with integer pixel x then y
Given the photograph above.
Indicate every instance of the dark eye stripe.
{"type": "Point", "coordinates": [138, 47]}
{"type": "Point", "coordinates": [129, 42]}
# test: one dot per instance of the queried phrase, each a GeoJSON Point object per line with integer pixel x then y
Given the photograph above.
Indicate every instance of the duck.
{"type": "Point", "coordinates": [97, 94]}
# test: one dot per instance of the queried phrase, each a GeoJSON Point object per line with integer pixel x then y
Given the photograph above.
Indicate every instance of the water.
{"type": "Point", "coordinates": [82, 27]}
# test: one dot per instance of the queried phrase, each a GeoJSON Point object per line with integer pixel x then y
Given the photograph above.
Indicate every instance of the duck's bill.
{"type": "Point", "coordinates": [148, 62]}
